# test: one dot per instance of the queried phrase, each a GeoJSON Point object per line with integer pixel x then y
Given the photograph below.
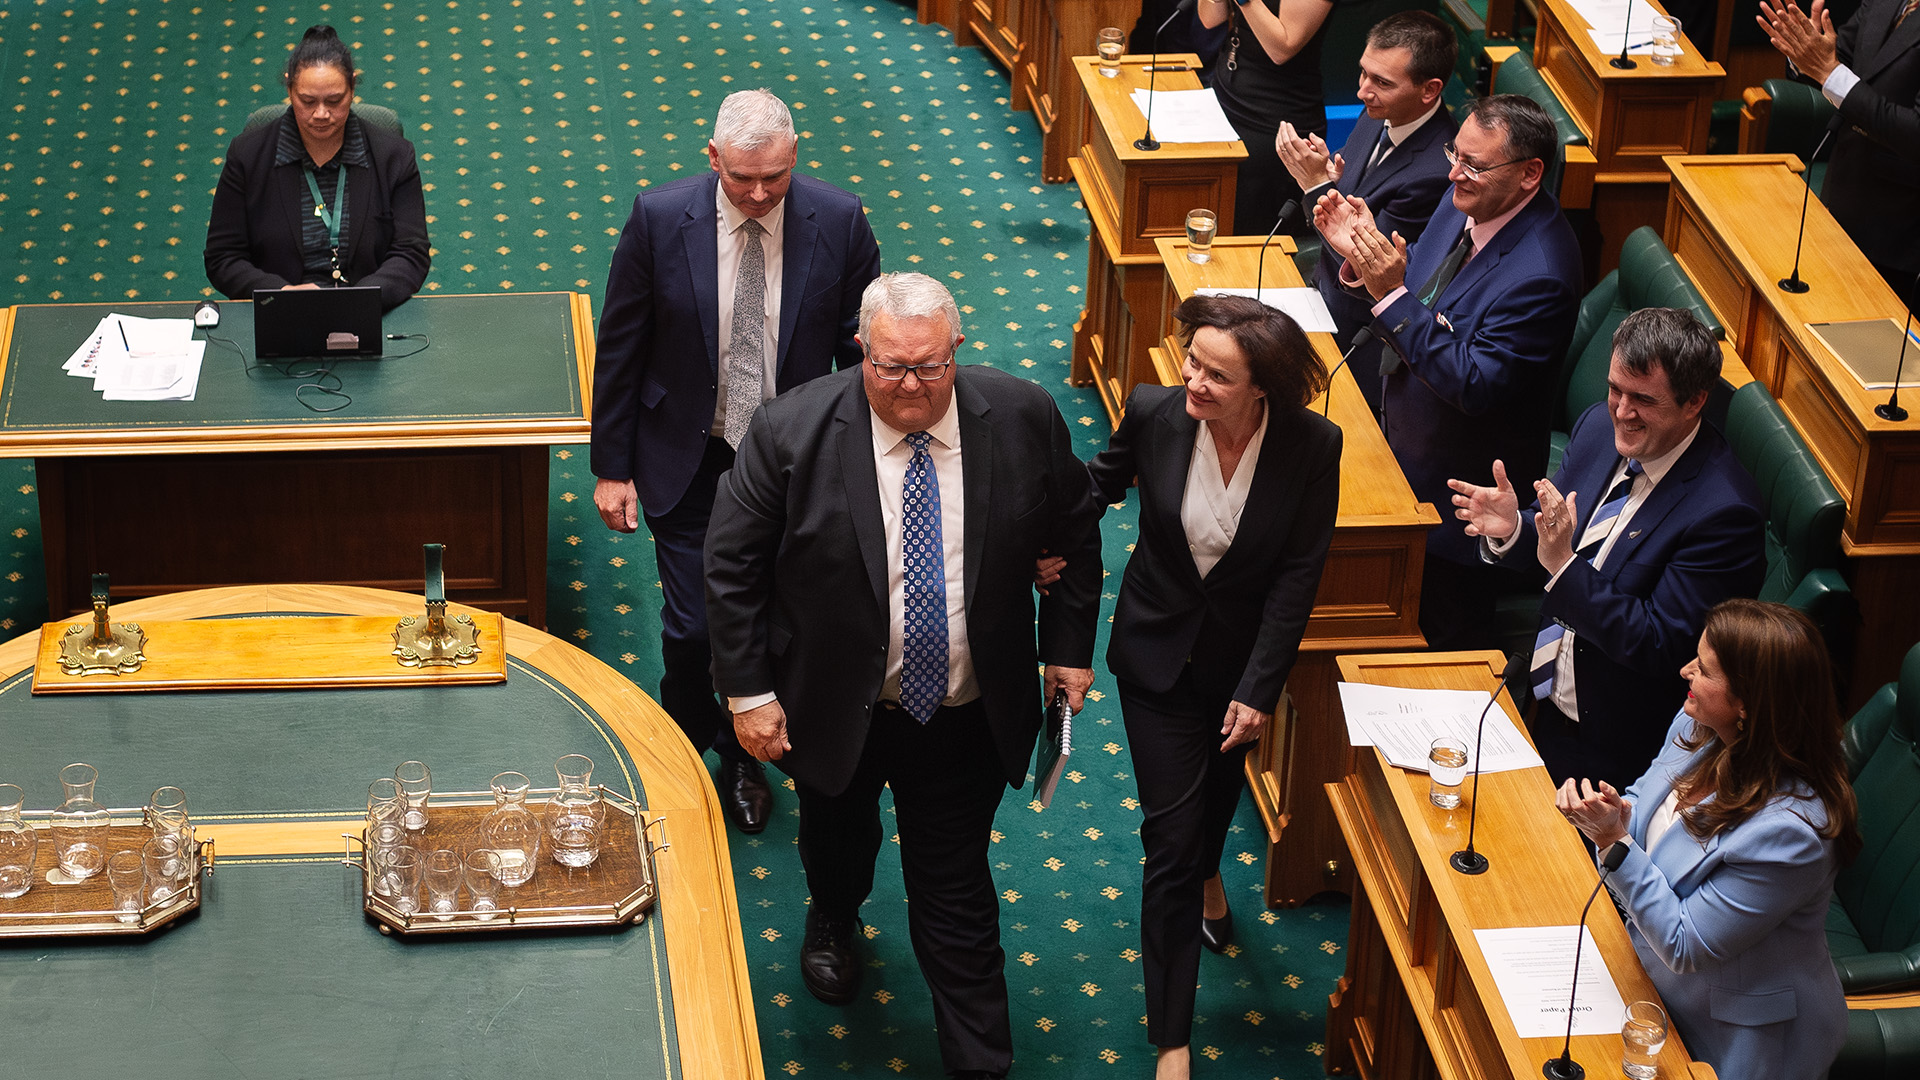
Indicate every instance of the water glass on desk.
{"type": "Point", "coordinates": [442, 872]}
{"type": "Point", "coordinates": [1111, 43]}
{"type": "Point", "coordinates": [19, 843]}
{"type": "Point", "coordinates": [1644, 1035]}
{"type": "Point", "coordinates": [1666, 39]}
{"type": "Point", "coordinates": [127, 876]}
{"type": "Point", "coordinates": [1201, 225]}
{"type": "Point", "coordinates": [1446, 768]}
{"type": "Point", "coordinates": [416, 783]}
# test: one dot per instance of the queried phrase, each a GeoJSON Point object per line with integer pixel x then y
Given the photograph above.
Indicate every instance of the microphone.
{"type": "Point", "coordinates": [1467, 860]}
{"type": "Point", "coordinates": [1564, 1067]}
{"type": "Point", "coordinates": [1147, 141]}
{"type": "Point", "coordinates": [1891, 410]}
{"type": "Point", "coordinates": [1792, 283]}
{"type": "Point", "coordinates": [1287, 210]}
{"type": "Point", "coordinates": [1360, 341]}
{"type": "Point", "coordinates": [1623, 61]}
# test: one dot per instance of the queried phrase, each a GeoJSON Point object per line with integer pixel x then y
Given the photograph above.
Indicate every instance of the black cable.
{"type": "Point", "coordinates": [409, 337]}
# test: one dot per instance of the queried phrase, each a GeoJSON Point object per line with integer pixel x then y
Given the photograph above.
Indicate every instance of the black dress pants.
{"type": "Point", "coordinates": [947, 783]}
{"type": "Point", "coordinates": [1188, 791]}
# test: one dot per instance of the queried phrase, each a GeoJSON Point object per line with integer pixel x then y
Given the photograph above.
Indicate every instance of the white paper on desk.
{"type": "Point", "coordinates": [154, 337]}
{"type": "Point", "coordinates": [1608, 41]}
{"type": "Point", "coordinates": [1533, 966]}
{"type": "Point", "coordinates": [81, 363]}
{"type": "Point", "coordinates": [1403, 723]}
{"type": "Point", "coordinates": [170, 378]}
{"type": "Point", "coordinates": [1306, 306]}
{"type": "Point", "coordinates": [1186, 116]}
{"type": "Point", "coordinates": [1612, 17]}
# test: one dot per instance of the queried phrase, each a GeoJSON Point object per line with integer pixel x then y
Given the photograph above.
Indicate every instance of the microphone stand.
{"type": "Point", "coordinates": [1890, 409]}
{"type": "Point", "coordinates": [1623, 61]}
{"type": "Point", "coordinates": [1467, 860]}
{"type": "Point", "coordinates": [1146, 141]}
{"type": "Point", "coordinates": [1360, 341]}
{"type": "Point", "coordinates": [1792, 283]}
{"type": "Point", "coordinates": [1259, 275]}
{"type": "Point", "coordinates": [1564, 1067]}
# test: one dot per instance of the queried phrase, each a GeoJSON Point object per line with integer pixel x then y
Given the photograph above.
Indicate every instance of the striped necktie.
{"type": "Point", "coordinates": [1546, 644]}
{"type": "Point", "coordinates": [923, 642]}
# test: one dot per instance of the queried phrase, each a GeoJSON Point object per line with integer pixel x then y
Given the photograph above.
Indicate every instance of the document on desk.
{"type": "Point", "coordinates": [1186, 116]}
{"type": "Point", "coordinates": [155, 378]}
{"type": "Point", "coordinates": [1533, 967]}
{"type": "Point", "coordinates": [1612, 18]}
{"type": "Point", "coordinates": [1306, 306]}
{"type": "Point", "coordinates": [1609, 41]}
{"type": "Point", "coordinates": [1403, 723]}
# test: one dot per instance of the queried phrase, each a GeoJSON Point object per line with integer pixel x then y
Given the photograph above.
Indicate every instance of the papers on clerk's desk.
{"type": "Point", "coordinates": [134, 359]}
{"type": "Point", "coordinates": [1608, 41]}
{"type": "Point", "coordinates": [1403, 724]}
{"type": "Point", "coordinates": [1610, 19]}
{"type": "Point", "coordinates": [1306, 306]}
{"type": "Point", "coordinates": [1533, 967]}
{"type": "Point", "coordinates": [1185, 116]}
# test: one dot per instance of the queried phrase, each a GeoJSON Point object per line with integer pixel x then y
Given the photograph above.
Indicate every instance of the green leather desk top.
{"type": "Point", "coordinates": [280, 974]}
{"type": "Point", "coordinates": [495, 359]}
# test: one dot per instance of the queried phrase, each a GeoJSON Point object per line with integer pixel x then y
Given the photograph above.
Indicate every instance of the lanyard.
{"type": "Point", "coordinates": [332, 220]}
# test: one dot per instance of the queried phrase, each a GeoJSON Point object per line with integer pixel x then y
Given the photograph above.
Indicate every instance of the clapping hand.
{"type": "Point", "coordinates": [1380, 261]}
{"type": "Point", "coordinates": [1335, 215]}
{"type": "Point", "coordinates": [1307, 159]}
{"type": "Point", "coordinates": [1600, 813]}
{"type": "Point", "coordinates": [1554, 523]}
{"type": "Point", "coordinates": [1492, 512]}
{"type": "Point", "coordinates": [1807, 39]}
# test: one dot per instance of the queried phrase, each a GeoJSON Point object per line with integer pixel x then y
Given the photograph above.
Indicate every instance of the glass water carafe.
{"type": "Point", "coordinates": [576, 815]}
{"type": "Point", "coordinates": [19, 843]}
{"type": "Point", "coordinates": [511, 830]}
{"type": "Point", "coordinates": [80, 824]}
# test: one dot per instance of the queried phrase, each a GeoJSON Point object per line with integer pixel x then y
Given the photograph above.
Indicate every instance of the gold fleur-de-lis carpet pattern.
{"type": "Point", "coordinates": [536, 121]}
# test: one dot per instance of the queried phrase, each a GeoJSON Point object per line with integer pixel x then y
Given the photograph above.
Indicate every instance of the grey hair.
{"type": "Point", "coordinates": [908, 296]}
{"type": "Point", "coordinates": [751, 119]}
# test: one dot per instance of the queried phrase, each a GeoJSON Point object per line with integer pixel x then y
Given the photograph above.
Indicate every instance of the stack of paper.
{"type": "Point", "coordinates": [134, 359]}
{"type": "Point", "coordinates": [1612, 18]}
{"type": "Point", "coordinates": [1307, 306]}
{"type": "Point", "coordinates": [1533, 968]}
{"type": "Point", "coordinates": [1185, 116]}
{"type": "Point", "coordinates": [1403, 724]}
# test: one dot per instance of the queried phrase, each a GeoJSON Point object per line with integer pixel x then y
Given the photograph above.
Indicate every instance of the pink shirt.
{"type": "Point", "coordinates": [1483, 234]}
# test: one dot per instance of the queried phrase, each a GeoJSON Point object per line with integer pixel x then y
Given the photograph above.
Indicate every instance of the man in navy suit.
{"type": "Point", "coordinates": [1394, 159]}
{"type": "Point", "coordinates": [726, 289]}
{"type": "Point", "coordinates": [1477, 316]}
{"type": "Point", "coordinates": [1658, 523]}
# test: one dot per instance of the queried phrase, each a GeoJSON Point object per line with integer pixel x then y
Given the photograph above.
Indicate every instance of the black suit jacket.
{"type": "Point", "coordinates": [253, 234]}
{"type": "Point", "coordinates": [1241, 625]}
{"type": "Point", "coordinates": [657, 367]}
{"type": "Point", "coordinates": [1873, 179]}
{"type": "Point", "coordinates": [797, 566]}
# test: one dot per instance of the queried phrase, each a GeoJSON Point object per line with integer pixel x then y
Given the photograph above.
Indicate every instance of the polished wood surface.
{"type": "Point", "coordinates": [1369, 595]}
{"type": "Point", "coordinates": [706, 955]}
{"type": "Point", "coordinates": [1044, 78]}
{"type": "Point", "coordinates": [1418, 998]}
{"type": "Point", "coordinates": [1732, 224]}
{"type": "Point", "coordinates": [1133, 198]}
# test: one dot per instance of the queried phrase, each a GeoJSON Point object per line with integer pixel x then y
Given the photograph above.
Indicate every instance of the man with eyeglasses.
{"type": "Point", "coordinates": [870, 592]}
{"type": "Point", "coordinates": [1476, 316]}
{"type": "Point", "coordinates": [726, 288]}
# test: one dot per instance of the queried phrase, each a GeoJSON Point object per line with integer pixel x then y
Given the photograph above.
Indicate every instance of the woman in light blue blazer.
{"type": "Point", "coordinates": [1734, 836]}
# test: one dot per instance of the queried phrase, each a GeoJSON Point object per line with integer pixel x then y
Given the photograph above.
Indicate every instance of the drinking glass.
{"type": "Point", "coordinates": [442, 872]}
{"type": "Point", "coordinates": [1201, 225]}
{"type": "Point", "coordinates": [166, 811]}
{"type": "Point", "coordinates": [165, 864]}
{"type": "Point", "coordinates": [1666, 39]}
{"type": "Point", "coordinates": [173, 824]}
{"type": "Point", "coordinates": [79, 824]}
{"type": "Point", "coordinates": [1644, 1034]}
{"type": "Point", "coordinates": [1110, 43]}
{"type": "Point", "coordinates": [19, 842]}
{"type": "Point", "coordinates": [127, 874]}
{"type": "Point", "coordinates": [483, 883]}
{"type": "Point", "coordinates": [385, 801]}
{"type": "Point", "coordinates": [1446, 767]}
{"type": "Point", "coordinates": [416, 783]}
{"type": "Point", "coordinates": [401, 867]}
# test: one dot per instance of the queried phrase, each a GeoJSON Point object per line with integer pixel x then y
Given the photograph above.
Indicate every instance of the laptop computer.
{"type": "Point", "coordinates": [316, 323]}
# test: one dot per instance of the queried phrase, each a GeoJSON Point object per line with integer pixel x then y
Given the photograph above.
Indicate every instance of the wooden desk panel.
{"type": "Point", "coordinates": [1045, 79]}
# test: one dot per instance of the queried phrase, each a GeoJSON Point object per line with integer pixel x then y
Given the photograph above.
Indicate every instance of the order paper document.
{"type": "Point", "coordinates": [1306, 306]}
{"type": "Point", "coordinates": [1609, 41]}
{"type": "Point", "coordinates": [134, 359]}
{"type": "Point", "coordinates": [1403, 724]}
{"type": "Point", "coordinates": [156, 378]}
{"type": "Point", "coordinates": [1186, 116]}
{"type": "Point", "coordinates": [1611, 18]}
{"type": "Point", "coordinates": [1533, 967]}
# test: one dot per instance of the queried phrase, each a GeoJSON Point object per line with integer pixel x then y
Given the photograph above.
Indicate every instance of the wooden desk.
{"type": "Point", "coordinates": [1731, 223]}
{"type": "Point", "coordinates": [1134, 197]}
{"type": "Point", "coordinates": [1418, 999]}
{"type": "Point", "coordinates": [247, 485]}
{"type": "Point", "coordinates": [1044, 78]}
{"type": "Point", "coordinates": [1369, 596]}
{"type": "Point", "coordinates": [280, 971]}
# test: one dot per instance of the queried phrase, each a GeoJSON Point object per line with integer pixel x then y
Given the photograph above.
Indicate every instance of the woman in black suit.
{"type": "Point", "coordinates": [1239, 484]}
{"type": "Point", "coordinates": [282, 216]}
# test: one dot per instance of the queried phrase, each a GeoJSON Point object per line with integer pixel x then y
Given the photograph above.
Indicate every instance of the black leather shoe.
{"type": "Point", "coordinates": [1217, 934]}
{"type": "Point", "coordinates": [827, 963]}
{"type": "Point", "coordinates": [745, 795]}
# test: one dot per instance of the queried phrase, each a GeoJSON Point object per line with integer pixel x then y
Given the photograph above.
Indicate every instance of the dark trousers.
{"type": "Point", "coordinates": [947, 784]}
{"type": "Point", "coordinates": [1188, 791]}
{"type": "Point", "coordinates": [1595, 751]}
{"type": "Point", "coordinates": [686, 679]}
{"type": "Point", "coordinates": [1456, 603]}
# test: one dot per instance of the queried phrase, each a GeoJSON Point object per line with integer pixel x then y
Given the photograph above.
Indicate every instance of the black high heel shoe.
{"type": "Point", "coordinates": [1217, 934]}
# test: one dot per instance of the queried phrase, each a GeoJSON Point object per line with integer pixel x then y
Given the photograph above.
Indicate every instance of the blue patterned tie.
{"type": "Point", "coordinates": [1546, 646]}
{"type": "Point", "coordinates": [923, 646]}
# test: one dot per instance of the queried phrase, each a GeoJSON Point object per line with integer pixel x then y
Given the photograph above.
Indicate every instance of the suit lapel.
{"type": "Point", "coordinates": [1170, 474]}
{"type": "Point", "coordinates": [1891, 45]}
{"type": "Point", "coordinates": [797, 246]}
{"type": "Point", "coordinates": [976, 467]}
{"type": "Point", "coordinates": [1263, 498]}
{"type": "Point", "coordinates": [1666, 497]}
{"type": "Point", "coordinates": [855, 436]}
{"type": "Point", "coordinates": [1362, 178]}
{"type": "Point", "coordinates": [359, 209]}
{"type": "Point", "coordinates": [700, 242]}
{"type": "Point", "coordinates": [289, 179]}
{"type": "Point", "coordinates": [1483, 262]}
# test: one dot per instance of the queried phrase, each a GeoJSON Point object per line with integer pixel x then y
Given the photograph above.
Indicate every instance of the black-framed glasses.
{"type": "Point", "coordinates": [1474, 172]}
{"type": "Point", "coordinates": [924, 372]}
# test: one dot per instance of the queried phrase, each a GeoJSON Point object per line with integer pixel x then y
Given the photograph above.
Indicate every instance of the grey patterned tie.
{"type": "Point", "coordinates": [747, 353]}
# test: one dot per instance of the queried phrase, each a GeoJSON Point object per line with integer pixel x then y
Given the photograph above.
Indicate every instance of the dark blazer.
{"type": "Point", "coordinates": [797, 564]}
{"type": "Point", "coordinates": [253, 234]}
{"type": "Point", "coordinates": [1873, 179]}
{"type": "Point", "coordinates": [1697, 540]}
{"type": "Point", "coordinates": [1480, 364]}
{"type": "Point", "coordinates": [1241, 625]}
{"type": "Point", "coordinates": [1402, 194]}
{"type": "Point", "coordinates": [657, 363]}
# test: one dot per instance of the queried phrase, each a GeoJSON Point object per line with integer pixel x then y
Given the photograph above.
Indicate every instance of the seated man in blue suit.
{"type": "Point", "coordinates": [726, 288]}
{"type": "Point", "coordinates": [1658, 523]}
{"type": "Point", "coordinates": [1477, 316]}
{"type": "Point", "coordinates": [1394, 159]}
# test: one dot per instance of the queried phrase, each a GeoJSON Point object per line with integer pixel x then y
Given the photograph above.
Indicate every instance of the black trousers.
{"type": "Point", "coordinates": [1188, 790]}
{"type": "Point", "coordinates": [686, 678]}
{"type": "Point", "coordinates": [947, 783]}
{"type": "Point", "coordinates": [1456, 603]}
{"type": "Point", "coordinates": [1601, 750]}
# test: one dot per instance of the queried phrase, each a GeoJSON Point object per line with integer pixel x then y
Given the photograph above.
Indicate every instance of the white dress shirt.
{"type": "Point", "coordinates": [733, 245]}
{"type": "Point", "coordinates": [1210, 507]}
{"type": "Point", "coordinates": [1397, 134]}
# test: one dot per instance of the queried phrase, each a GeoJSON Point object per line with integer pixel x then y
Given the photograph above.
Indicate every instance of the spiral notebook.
{"type": "Point", "coordinates": [1056, 746]}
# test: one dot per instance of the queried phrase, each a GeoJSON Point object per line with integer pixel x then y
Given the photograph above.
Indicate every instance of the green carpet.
{"type": "Point", "coordinates": [536, 121]}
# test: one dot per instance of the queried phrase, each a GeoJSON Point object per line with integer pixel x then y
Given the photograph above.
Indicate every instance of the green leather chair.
{"type": "Point", "coordinates": [378, 116]}
{"type": "Point", "coordinates": [1517, 76]}
{"type": "Point", "coordinates": [1799, 120]}
{"type": "Point", "coordinates": [1873, 923]}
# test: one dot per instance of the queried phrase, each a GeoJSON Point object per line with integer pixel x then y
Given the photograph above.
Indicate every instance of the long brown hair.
{"type": "Point", "coordinates": [1777, 666]}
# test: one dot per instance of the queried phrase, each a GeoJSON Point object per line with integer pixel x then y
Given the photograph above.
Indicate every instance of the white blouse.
{"type": "Point", "coordinates": [1664, 817]}
{"type": "Point", "coordinates": [1210, 507]}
